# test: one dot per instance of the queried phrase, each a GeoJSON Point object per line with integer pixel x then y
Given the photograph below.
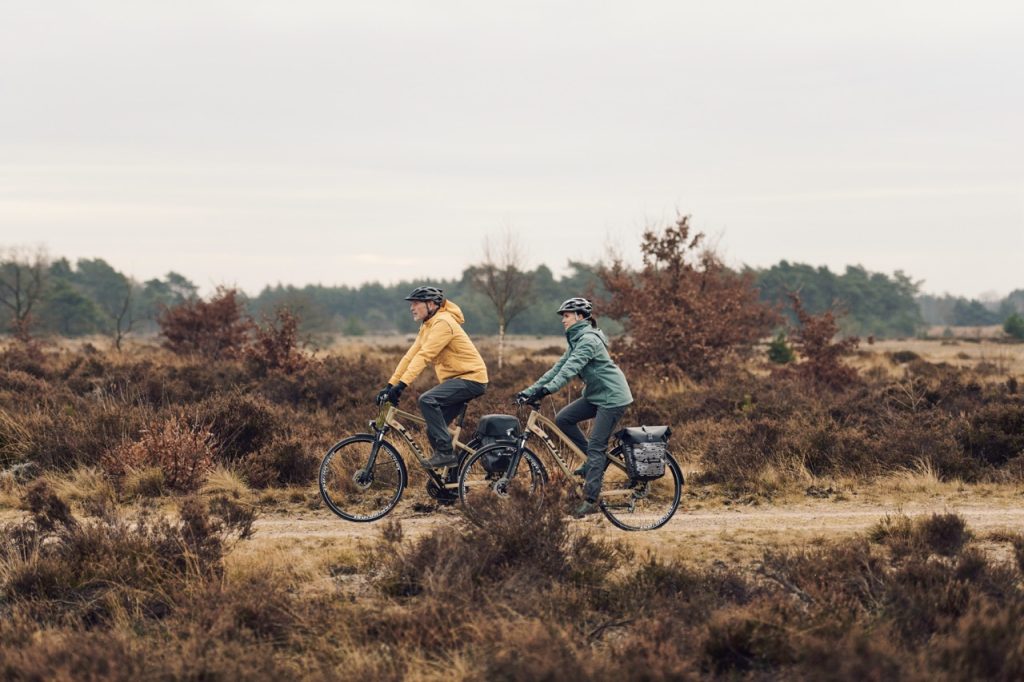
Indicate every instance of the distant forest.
{"type": "Point", "coordinates": [92, 297]}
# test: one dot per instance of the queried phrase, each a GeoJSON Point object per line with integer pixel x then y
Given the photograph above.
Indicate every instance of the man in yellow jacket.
{"type": "Point", "coordinates": [442, 342]}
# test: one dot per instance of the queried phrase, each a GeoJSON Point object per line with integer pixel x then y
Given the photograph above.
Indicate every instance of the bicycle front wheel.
{"type": "Point", "coordinates": [355, 490]}
{"type": "Point", "coordinates": [484, 475]}
{"type": "Point", "coordinates": [639, 505]}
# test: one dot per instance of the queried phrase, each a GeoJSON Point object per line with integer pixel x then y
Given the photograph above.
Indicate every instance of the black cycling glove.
{"type": "Point", "coordinates": [395, 392]}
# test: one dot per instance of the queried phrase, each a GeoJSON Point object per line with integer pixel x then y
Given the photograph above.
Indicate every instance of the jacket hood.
{"type": "Point", "coordinates": [576, 332]}
{"type": "Point", "coordinates": [452, 309]}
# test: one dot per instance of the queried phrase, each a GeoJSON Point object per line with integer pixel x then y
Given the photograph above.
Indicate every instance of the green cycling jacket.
{"type": "Point", "coordinates": [587, 357]}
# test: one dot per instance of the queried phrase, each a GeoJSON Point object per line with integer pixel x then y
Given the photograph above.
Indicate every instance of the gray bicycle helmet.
{"type": "Point", "coordinates": [576, 305]}
{"type": "Point", "coordinates": [426, 294]}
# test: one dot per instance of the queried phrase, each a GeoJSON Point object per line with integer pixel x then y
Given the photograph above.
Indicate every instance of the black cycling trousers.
{"type": "Point", "coordinates": [441, 404]}
{"type": "Point", "coordinates": [605, 419]}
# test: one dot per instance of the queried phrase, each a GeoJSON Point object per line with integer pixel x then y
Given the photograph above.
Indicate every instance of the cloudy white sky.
{"type": "Point", "coordinates": [248, 142]}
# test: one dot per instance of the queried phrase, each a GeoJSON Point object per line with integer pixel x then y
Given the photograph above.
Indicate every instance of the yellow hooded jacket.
{"type": "Point", "coordinates": [442, 341]}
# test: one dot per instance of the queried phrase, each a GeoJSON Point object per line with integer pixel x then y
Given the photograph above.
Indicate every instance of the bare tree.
{"type": "Point", "coordinates": [22, 279]}
{"type": "Point", "coordinates": [503, 280]}
{"type": "Point", "coordinates": [123, 317]}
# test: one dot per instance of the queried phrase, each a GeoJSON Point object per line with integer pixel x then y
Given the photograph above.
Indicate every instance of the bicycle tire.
{"type": "Point", "coordinates": [478, 474]}
{"type": "Point", "coordinates": [650, 505]}
{"type": "Point", "coordinates": [355, 500]}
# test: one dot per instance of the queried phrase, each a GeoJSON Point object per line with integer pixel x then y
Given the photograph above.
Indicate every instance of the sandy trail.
{"type": "Point", "coordinates": [806, 520]}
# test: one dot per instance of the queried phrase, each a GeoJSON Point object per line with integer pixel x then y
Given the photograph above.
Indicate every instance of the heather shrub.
{"type": "Point", "coordinates": [334, 382]}
{"type": "Point", "coordinates": [64, 571]}
{"type": "Point", "coordinates": [985, 643]}
{"type": "Point", "coordinates": [184, 452]}
{"type": "Point", "coordinates": [275, 345]}
{"type": "Point", "coordinates": [741, 454]}
{"type": "Point", "coordinates": [240, 422]}
{"type": "Point", "coordinates": [685, 312]}
{"type": "Point", "coordinates": [519, 542]}
{"type": "Point", "coordinates": [286, 460]}
{"type": "Point", "coordinates": [994, 433]}
{"type": "Point", "coordinates": [942, 534]}
{"type": "Point", "coordinates": [215, 329]}
{"type": "Point", "coordinates": [743, 640]}
{"type": "Point", "coordinates": [822, 355]}
{"type": "Point", "coordinates": [28, 358]}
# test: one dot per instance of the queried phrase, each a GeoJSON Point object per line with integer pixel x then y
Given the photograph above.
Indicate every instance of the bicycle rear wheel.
{"type": "Point", "coordinates": [634, 505]}
{"type": "Point", "coordinates": [355, 492]}
{"type": "Point", "coordinates": [484, 475]}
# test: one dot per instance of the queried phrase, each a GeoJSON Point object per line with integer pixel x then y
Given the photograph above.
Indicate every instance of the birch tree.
{"type": "Point", "coordinates": [502, 279]}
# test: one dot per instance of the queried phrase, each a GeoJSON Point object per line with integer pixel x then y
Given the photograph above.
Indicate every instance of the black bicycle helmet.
{"type": "Point", "coordinates": [576, 305]}
{"type": "Point", "coordinates": [426, 294]}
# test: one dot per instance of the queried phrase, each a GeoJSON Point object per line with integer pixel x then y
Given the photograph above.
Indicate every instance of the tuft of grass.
{"type": "Point", "coordinates": [225, 481]}
{"type": "Point", "coordinates": [145, 482]}
{"type": "Point", "coordinates": [88, 487]}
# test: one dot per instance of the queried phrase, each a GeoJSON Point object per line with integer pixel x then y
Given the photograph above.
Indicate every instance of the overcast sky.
{"type": "Point", "coordinates": [249, 143]}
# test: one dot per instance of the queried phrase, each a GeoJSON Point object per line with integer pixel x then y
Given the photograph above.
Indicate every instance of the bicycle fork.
{"type": "Point", "coordinates": [513, 466]}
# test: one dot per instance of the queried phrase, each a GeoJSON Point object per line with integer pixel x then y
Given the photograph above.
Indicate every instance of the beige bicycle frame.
{"type": "Point", "coordinates": [535, 424]}
{"type": "Point", "coordinates": [390, 416]}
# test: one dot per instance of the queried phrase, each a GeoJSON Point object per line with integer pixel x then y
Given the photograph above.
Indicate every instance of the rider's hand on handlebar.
{"type": "Point", "coordinates": [383, 395]}
{"type": "Point", "coordinates": [533, 398]}
{"type": "Point", "coordinates": [394, 393]}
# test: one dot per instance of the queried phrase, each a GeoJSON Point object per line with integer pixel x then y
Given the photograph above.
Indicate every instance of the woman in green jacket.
{"type": "Point", "coordinates": [605, 396]}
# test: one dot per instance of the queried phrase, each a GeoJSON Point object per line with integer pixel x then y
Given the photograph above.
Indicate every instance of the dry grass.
{"type": "Point", "coordinates": [225, 481]}
{"type": "Point", "coordinates": [87, 487]}
{"type": "Point", "coordinates": [1004, 359]}
{"type": "Point", "coordinates": [10, 491]}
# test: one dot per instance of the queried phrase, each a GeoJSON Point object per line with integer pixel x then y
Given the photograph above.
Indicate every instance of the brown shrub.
{"type": "Point", "coordinates": [287, 460]}
{"type": "Point", "coordinates": [239, 421]}
{"type": "Point", "coordinates": [341, 383]}
{"type": "Point", "coordinates": [994, 434]}
{"type": "Point", "coordinates": [738, 456]}
{"type": "Point", "coordinates": [741, 640]}
{"type": "Point", "coordinates": [184, 452]}
{"type": "Point", "coordinates": [942, 534]}
{"type": "Point", "coordinates": [27, 358]}
{"type": "Point", "coordinates": [216, 329]}
{"type": "Point", "coordinates": [49, 511]}
{"type": "Point", "coordinates": [275, 345]}
{"type": "Point", "coordinates": [985, 643]}
{"type": "Point", "coordinates": [65, 571]}
{"type": "Point", "coordinates": [822, 355]}
{"type": "Point", "coordinates": [685, 312]}
{"type": "Point", "coordinates": [520, 542]}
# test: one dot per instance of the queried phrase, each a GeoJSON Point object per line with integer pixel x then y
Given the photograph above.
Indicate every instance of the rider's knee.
{"type": "Point", "coordinates": [427, 401]}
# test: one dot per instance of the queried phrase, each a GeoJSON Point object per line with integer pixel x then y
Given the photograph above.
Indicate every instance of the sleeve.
{"type": "Point", "coordinates": [571, 364]}
{"type": "Point", "coordinates": [404, 362]}
{"type": "Point", "coordinates": [438, 336]}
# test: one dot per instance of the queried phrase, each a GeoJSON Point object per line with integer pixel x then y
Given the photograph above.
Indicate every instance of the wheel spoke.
{"type": "Point", "coordinates": [633, 505]}
{"type": "Point", "coordinates": [485, 476]}
{"type": "Point", "coordinates": [354, 491]}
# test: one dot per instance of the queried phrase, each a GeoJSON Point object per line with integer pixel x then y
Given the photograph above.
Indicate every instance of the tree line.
{"type": "Point", "coordinates": [54, 296]}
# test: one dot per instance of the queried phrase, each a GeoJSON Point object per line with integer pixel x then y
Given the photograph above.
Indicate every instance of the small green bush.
{"type": "Point", "coordinates": [1014, 326]}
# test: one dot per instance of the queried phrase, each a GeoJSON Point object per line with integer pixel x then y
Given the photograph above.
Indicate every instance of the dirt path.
{"type": "Point", "coordinates": [697, 534]}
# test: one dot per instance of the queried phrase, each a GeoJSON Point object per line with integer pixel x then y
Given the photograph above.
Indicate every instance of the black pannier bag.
{"type": "Point", "coordinates": [644, 449]}
{"type": "Point", "coordinates": [491, 429]}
